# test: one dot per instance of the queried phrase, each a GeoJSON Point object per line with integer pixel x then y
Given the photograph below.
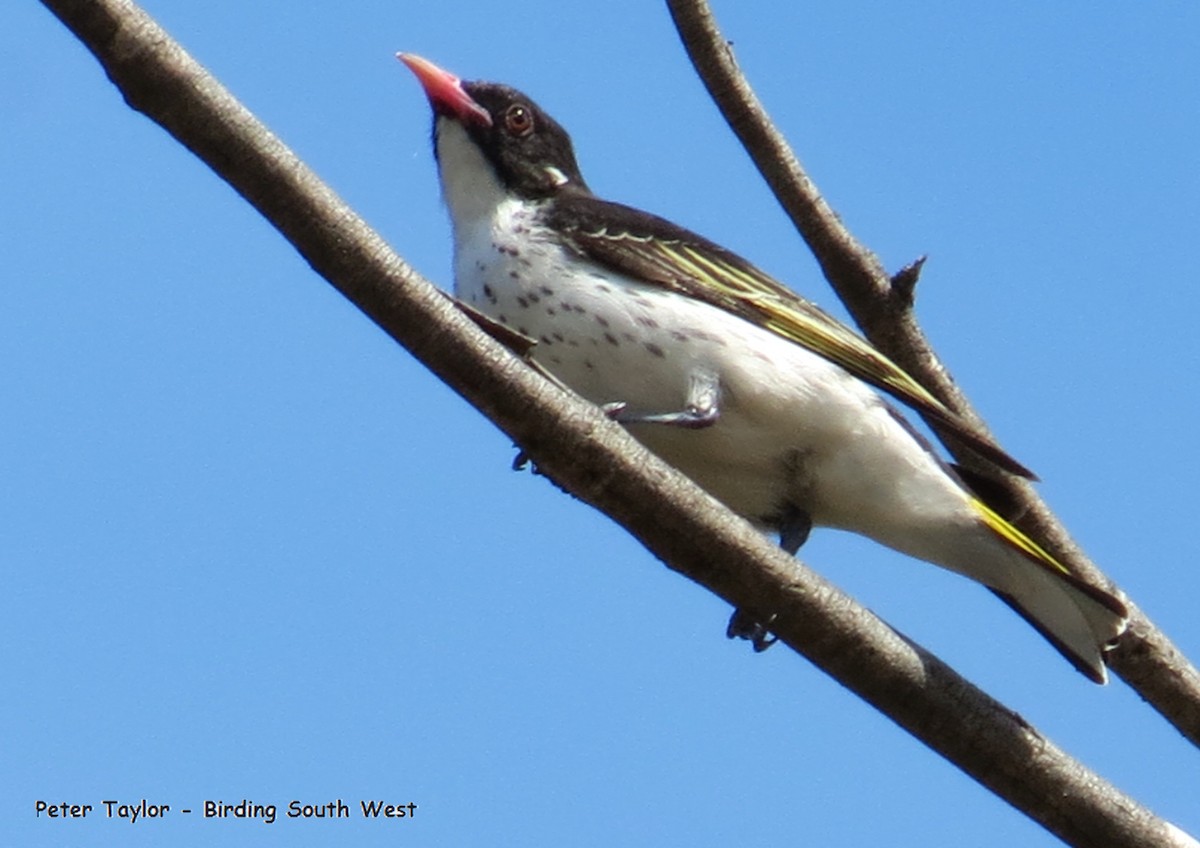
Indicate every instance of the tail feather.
{"type": "Point", "coordinates": [1080, 620]}
{"type": "Point", "coordinates": [1070, 620]}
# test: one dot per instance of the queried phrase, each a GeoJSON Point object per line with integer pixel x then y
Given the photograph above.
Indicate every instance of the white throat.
{"type": "Point", "coordinates": [470, 187]}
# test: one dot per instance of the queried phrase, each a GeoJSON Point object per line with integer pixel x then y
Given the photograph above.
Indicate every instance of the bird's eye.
{"type": "Point", "coordinates": [518, 120]}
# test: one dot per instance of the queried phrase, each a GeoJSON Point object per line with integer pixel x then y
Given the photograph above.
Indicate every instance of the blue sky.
{"type": "Point", "coordinates": [251, 550]}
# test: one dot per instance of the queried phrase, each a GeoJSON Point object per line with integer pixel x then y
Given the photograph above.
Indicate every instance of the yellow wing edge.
{"type": "Point", "coordinates": [1014, 537]}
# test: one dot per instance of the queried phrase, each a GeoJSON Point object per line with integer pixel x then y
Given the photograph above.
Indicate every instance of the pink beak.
{"type": "Point", "coordinates": [445, 91]}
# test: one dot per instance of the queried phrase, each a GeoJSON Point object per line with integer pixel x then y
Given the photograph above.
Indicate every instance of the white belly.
{"type": "Point", "coordinates": [794, 429]}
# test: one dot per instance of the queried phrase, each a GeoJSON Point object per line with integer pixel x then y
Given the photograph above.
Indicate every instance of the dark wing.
{"type": "Point", "coordinates": [656, 251]}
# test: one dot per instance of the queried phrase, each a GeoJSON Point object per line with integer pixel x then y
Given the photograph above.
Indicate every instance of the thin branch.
{"type": "Point", "coordinates": [595, 459]}
{"type": "Point", "coordinates": [1146, 659]}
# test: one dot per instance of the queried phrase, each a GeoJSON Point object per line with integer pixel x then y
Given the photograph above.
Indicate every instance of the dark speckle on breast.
{"type": "Point", "coordinates": [709, 337]}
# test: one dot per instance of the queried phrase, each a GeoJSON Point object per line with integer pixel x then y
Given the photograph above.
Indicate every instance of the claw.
{"type": "Point", "coordinates": [794, 526]}
{"type": "Point", "coordinates": [744, 625]}
{"type": "Point", "coordinates": [613, 410]}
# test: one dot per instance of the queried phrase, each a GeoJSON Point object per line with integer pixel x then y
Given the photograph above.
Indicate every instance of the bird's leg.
{"type": "Point", "coordinates": [794, 526]}
{"type": "Point", "coordinates": [702, 408]}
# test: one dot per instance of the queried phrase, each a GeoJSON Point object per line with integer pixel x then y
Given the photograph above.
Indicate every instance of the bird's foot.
{"type": "Point", "coordinates": [522, 461]}
{"type": "Point", "coordinates": [794, 526]}
{"type": "Point", "coordinates": [744, 624]}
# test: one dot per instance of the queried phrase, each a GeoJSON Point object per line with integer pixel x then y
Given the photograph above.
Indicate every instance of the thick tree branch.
{"type": "Point", "coordinates": [1146, 659]}
{"type": "Point", "coordinates": [596, 460]}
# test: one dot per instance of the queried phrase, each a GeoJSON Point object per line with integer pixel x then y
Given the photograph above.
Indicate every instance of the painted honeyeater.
{"type": "Point", "coordinates": [764, 400]}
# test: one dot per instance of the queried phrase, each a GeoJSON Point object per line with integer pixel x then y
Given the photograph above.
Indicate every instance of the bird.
{"type": "Point", "coordinates": [767, 402]}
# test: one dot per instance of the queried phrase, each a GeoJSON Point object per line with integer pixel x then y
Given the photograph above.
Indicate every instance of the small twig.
{"type": "Point", "coordinates": [904, 281]}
